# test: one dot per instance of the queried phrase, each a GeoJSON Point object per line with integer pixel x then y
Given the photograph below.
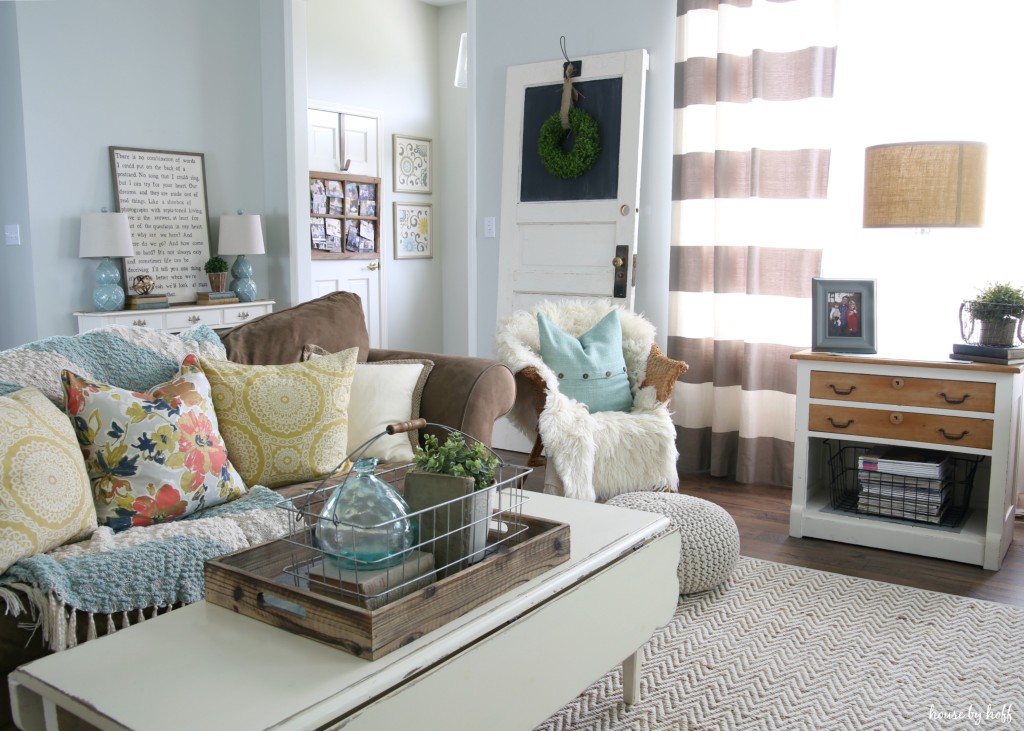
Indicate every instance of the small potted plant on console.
{"type": "Point", "coordinates": [998, 308]}
{"type": "Point", "coordinates": [216, 268]}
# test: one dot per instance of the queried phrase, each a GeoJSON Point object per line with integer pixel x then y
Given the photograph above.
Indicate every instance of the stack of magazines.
{"type": "Point", "coordinates": [904, 482]}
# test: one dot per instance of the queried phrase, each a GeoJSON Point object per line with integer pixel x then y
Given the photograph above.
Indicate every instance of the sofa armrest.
{"type": "Point", "coordinates": [466, 393]}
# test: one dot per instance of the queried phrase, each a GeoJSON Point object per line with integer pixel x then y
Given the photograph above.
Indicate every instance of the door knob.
{"type": "Point", "coordinates": [373, 265]}
{"type": "Point", "coordinates": [617, 262]}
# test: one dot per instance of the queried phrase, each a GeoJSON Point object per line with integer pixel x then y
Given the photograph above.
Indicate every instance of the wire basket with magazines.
{"type": "Point", "coordinates": [901, 483]}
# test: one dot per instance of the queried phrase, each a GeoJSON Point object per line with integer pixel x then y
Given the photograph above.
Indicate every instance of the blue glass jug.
{"type": "Point", "coordinates": [365, 524]}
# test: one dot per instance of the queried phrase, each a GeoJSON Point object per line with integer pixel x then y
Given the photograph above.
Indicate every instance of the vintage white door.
{"type": "Point", "coordinates": [338, 135]}
{"type": "Point", "coordinates": [554, 244]}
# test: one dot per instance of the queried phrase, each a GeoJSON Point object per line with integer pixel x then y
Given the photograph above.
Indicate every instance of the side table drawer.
{"type": "Point", "coordinates": [908, 426]}
{"type": "Point", "coordinates": [899, 391]}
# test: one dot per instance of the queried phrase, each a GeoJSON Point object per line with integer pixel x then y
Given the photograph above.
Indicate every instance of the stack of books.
{"type": "Point", "coordinates": [372, 588]}
{"type": "Point", "coordinates": [146, 302]}
{"type": "Point", "coordinates": [987, 354]}
{"type": "Point", "coordinates": [216, 298]}
{"type": "Point", "coordinates": [904, 482]}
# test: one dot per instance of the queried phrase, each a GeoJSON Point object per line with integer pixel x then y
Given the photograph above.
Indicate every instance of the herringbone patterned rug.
{"type": "Point", "coordinates": [780, 647]}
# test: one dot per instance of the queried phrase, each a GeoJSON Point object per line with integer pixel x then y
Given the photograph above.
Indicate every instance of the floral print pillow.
{"type": "Point", "coordinates": [152, 457]}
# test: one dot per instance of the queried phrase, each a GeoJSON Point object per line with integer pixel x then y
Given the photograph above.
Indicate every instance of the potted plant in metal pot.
{"type": "Point", "coordinates": [216, 268]}
{"type": "Point", "coordinates": [449, 488]}
{"type": "Point", "coordinates": [998, 308]}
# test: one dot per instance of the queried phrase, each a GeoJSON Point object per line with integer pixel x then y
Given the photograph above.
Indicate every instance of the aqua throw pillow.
{"type": "Point", "coordinates": [590, 368]}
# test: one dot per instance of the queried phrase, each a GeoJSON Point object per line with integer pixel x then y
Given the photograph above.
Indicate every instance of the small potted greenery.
{"type": "Point", "coordinates": [998, 307]}
{"type": "Point", "coordinates": [217, 269]}
{"type": "Point", "coordinates": [448, 483]}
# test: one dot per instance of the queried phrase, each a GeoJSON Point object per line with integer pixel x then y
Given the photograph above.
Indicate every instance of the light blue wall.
{"type": "Point", "coordinates": [184, 76]}
{"type": "Point", "coordinates": [527, 31]}
{"type": "Point", "coordinates": [17, 302]}
{"type": "Point", "coordinates": [382, 56]}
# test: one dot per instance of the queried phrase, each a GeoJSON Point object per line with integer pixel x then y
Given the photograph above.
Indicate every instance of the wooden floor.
{"type": "Point", "coordinates": [762, 514]}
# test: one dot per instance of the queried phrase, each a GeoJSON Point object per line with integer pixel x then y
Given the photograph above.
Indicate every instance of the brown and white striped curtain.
{"type": "Point", "coordinates": [754, 83]}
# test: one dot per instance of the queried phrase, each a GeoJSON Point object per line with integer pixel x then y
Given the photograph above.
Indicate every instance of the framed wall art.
{"type": "Point", "coordinates": [164, 195]}
{"type": "Point", "coordinates": [413, 231]}
{"type": "Point", "coordinates": [843, 315]}
{"type": "Point", "coordinates": [411, 157]}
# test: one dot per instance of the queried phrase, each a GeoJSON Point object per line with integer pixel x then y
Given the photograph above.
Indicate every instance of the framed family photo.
{"type": "Point", "coordinates": [843, 315]}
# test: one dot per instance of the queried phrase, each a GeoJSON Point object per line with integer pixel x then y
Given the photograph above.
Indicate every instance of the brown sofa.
{"type": "Point", "coordinates": [469, 394]}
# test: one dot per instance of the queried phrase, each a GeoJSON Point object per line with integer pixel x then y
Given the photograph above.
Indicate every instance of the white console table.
{"type": "Point", "coordinates": [178, 317]}
{"type": "Point", "coordinates": [964, 408]}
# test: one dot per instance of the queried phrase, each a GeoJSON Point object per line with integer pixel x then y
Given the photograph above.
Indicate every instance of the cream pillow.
{"type": "Point", "coordinates": [383, 392]}
{"type": "Point", "coordinates": [45, 495]}
{"type": "Point", "coordinates": [286, 423]}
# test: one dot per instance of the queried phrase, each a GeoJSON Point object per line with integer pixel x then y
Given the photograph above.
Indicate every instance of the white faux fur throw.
{"type": "Point", "coordinates": [602, 454]}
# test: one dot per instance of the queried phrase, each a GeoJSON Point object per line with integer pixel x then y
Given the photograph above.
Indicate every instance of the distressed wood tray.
{"type": "Point", "coordinates": [259, 582]}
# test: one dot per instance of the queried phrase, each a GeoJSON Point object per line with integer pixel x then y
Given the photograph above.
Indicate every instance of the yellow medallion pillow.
{"type": "Point", "coordinates": [45, 495]}
{"type": "Point", "coordinates": [286, 423]}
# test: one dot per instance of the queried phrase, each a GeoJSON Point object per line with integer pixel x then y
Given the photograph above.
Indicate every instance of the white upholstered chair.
{"type": "Point", "coordinates": [593, 456]}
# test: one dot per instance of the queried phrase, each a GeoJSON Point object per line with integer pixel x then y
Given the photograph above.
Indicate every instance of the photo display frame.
{"type": "Point", "coordinates": [843, 315]}
{"type": "Point", "coordinates": [414, 229]}
{"type": "Point", "coordinates": [411, 156]}
{"type": "Point", "coordinates": [164, 194]}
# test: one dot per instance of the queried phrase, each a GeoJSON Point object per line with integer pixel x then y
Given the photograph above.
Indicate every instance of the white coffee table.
{"type": "Point", "coordinates": [508, 664]}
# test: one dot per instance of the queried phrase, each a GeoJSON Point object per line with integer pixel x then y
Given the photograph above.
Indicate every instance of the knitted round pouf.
{"type": "Point", "coordinates": [710, 540]}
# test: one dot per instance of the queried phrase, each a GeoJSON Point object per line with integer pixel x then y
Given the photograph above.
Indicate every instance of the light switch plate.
{"type": "Point", "coordinates": [489, 230]}
{"type": "Point", "coordinates": [12, 234]}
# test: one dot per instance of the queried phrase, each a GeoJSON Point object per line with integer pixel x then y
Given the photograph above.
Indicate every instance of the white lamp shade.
{"type": "Point", "coordinates": [242, 234]}
{"type": "Point", "coordinates": [105, 234]}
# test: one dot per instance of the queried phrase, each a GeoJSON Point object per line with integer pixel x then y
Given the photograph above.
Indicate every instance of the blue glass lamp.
{"type": "Point", "coordinates": [241, 235]}
{"type": "Point", "coordinates": [106, 235]}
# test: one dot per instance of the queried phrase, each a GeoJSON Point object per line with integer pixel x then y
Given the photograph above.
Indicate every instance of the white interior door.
{"type": "Point", "coordinates": [338, 135]}
{"type": "Point", "coordinates": [359, 144]}
{"type": "Point", "coordinates": [555, 245]}
{"type": "Point", "coordinates": [552, 244]}
{"type": "Point", "coordinates": [361, 276]}
{"type": "Point", "coordinates": [324, 140]}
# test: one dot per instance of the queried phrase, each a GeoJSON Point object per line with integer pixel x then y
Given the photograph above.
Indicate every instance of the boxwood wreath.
{"type": "Point", "coordinates": [581, 157]}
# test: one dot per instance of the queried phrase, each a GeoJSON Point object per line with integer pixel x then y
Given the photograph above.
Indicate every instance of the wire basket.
{"type": "Point", "coordinates": [992, 324]}
{"type": "Point", "coordinates": [939, 502]}
{"type": "Point", "coordinates": [448, 536]}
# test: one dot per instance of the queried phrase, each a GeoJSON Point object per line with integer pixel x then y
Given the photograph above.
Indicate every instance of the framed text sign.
{"type": "Point", "coordinates": [164, 195]}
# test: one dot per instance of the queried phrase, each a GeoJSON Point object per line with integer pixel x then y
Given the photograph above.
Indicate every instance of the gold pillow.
{"type": "Point", "coordinates": [45, 494]}
{"type": "Point", "coordinates": [286, 423]}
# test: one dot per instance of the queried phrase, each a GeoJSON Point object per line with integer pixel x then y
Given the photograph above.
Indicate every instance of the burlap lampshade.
{"type": "Point", "coordinates": [926, 184]}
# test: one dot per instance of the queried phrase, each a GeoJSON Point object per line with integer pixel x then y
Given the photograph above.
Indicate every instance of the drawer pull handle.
{"type": "Point", "coordinates": [243, 315]}
{"type": "Point", "coordinates": [896, 418]}
{"type": "Point", "coordinates": [951, 437]}
{"type": "Point", "coordinates": [839, 392]}
{"type": "Point", "coordinates": [139, 323]}
{"type": "Point", "coordinates": [898, 383]}
{"type": "Point", "coordinates": [949, 400]}
{"type": "Point", "coordinates": [194, 319]}
{"type": "Point", "coordinates": [840, 426]}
